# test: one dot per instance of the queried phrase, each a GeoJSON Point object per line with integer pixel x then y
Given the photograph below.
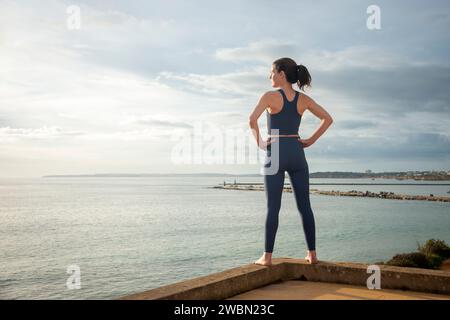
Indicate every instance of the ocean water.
{"type": "Point", "coordinates": [129, 235]}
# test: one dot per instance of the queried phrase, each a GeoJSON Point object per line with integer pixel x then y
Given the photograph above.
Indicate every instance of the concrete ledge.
{"type": "Point", "coordinates": [241, 279]}
{"type": "Point", "coordinates": [412, 279]}
{"type": "Point", "coordinates": [217, 286]}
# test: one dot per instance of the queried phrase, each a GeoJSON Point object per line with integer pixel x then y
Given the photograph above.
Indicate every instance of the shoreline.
{"type": "Point", "coordinates": [351, 193]}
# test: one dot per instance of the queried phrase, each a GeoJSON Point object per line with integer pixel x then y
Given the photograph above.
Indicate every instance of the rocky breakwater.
{"type": "Point", "coordinates": [351, 193]}
{"type": "Point", "coordinates": [382, 194]}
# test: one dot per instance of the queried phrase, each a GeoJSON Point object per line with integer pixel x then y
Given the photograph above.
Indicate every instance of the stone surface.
{"type": "Point", "coordinates": [309, 290]}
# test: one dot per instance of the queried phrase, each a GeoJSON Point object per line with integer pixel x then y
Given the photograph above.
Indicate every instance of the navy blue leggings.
{"type": "Point", "coordinates": [291, 159]}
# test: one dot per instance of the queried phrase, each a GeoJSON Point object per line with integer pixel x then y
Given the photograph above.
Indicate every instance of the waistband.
{"type": "Point", "coordinates": [284, 135]}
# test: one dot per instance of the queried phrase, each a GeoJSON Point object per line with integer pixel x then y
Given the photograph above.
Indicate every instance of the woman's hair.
{"type": "Point", "coordinates": [294, 73]}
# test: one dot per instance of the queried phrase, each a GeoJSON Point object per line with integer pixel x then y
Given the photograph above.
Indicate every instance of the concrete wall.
{"type": "Point", "coordinates": [231, 282]}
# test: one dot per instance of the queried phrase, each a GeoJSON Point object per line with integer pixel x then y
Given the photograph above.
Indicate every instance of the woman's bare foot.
{"type": "Point", "coordinates": [265, 260]}
{"type": "Point", "coordinates": [311, 257]}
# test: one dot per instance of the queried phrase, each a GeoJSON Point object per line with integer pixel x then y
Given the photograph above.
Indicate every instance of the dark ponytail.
{"type": "Point", "coordinates": [303, 77]}
{"type": "Point", "coordinates": [294, 73]}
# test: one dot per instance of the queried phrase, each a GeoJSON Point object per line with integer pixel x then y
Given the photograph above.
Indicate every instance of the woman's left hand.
{"type": "Point", "coordinates": [306, 142]}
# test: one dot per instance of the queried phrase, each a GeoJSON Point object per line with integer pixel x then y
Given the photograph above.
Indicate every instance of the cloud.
{"type": "Point", "coordinates": [146, 134]}
{"type": "Point", "coordinates": [156, 120]}
{"type": "Point", "coordinates": [395, 90]}
{"type": "Point", "coordinates": [265, 51]}
{"type": "Point", "coordinates": [231, 84]}
{"type": "Point", "coordinates": [356, 124]}
{"type": "Point", "coordinates": [365, 79]}
{"type": "Point", "coordinates": [418, 146]}
{"type": "Point", "coordinates": [356, 56]}
{"type": "Point", "coordinates": [8, 134]}
{"type": "Point", "coordinates": [229, 115]}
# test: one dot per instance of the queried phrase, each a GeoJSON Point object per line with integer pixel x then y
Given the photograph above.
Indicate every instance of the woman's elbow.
{"type": "Point", "coordinates": [252, 122]}
{"type": "Point", "coordinates": [329, 119]}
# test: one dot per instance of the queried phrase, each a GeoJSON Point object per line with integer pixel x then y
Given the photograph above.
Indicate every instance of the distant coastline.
{"type": "Point", "coordinates": [145, 175]}
{"type": "Point", "coordinates": [398, 175]}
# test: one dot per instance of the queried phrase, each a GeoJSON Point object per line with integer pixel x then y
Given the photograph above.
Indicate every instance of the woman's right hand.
{"type": "Point", "coordinates": [306, 142]}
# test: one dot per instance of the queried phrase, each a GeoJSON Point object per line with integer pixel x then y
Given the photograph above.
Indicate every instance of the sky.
{"type": "Point", "coordinates": [116, 86]}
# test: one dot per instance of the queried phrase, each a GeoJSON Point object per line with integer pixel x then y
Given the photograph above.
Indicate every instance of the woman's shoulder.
{"type": "Point", "coordinates": [304, 101]}
{"type": "Point", "coordinates": [304, 98]}
{"type": "Point", "coordinates": [272, 94]}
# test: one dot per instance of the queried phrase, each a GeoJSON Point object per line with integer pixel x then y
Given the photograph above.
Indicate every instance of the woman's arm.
{"type": "Point", "coordinates": [320, 113]}
{"type": "Point", "coordinates": [253, 119]}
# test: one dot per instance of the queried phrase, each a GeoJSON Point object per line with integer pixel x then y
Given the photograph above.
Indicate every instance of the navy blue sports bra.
{"type": "Point", "coordinates": [287, 121]}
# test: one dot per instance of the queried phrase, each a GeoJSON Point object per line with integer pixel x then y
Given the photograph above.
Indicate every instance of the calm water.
{"type": "Point", "coordinates": [133, 234]}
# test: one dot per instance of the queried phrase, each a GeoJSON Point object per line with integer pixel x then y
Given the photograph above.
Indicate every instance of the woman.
{"type": "Point", "coordinates": [285, 108]}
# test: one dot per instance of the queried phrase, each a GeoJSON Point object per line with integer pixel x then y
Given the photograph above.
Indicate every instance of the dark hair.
{"type": "Point", "coordinates": [294, 73]}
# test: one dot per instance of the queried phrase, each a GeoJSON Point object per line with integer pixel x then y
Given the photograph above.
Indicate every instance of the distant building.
{"type": "Point", "coordinates": [368, 171]}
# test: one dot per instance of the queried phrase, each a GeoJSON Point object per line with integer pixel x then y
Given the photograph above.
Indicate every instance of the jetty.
{"type": "Point", "coordinates": [351, 193]}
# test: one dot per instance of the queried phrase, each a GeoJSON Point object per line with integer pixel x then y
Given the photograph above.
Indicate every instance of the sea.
{"type": "Point", "coordinates": [107, 237]}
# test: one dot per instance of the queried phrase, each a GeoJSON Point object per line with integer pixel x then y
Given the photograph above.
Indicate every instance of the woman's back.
{"type": "Point", "coordinates": [288, 119]}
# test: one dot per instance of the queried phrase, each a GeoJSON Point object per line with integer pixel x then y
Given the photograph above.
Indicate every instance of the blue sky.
{"type": "Point", "coordinates": [107, 97]}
